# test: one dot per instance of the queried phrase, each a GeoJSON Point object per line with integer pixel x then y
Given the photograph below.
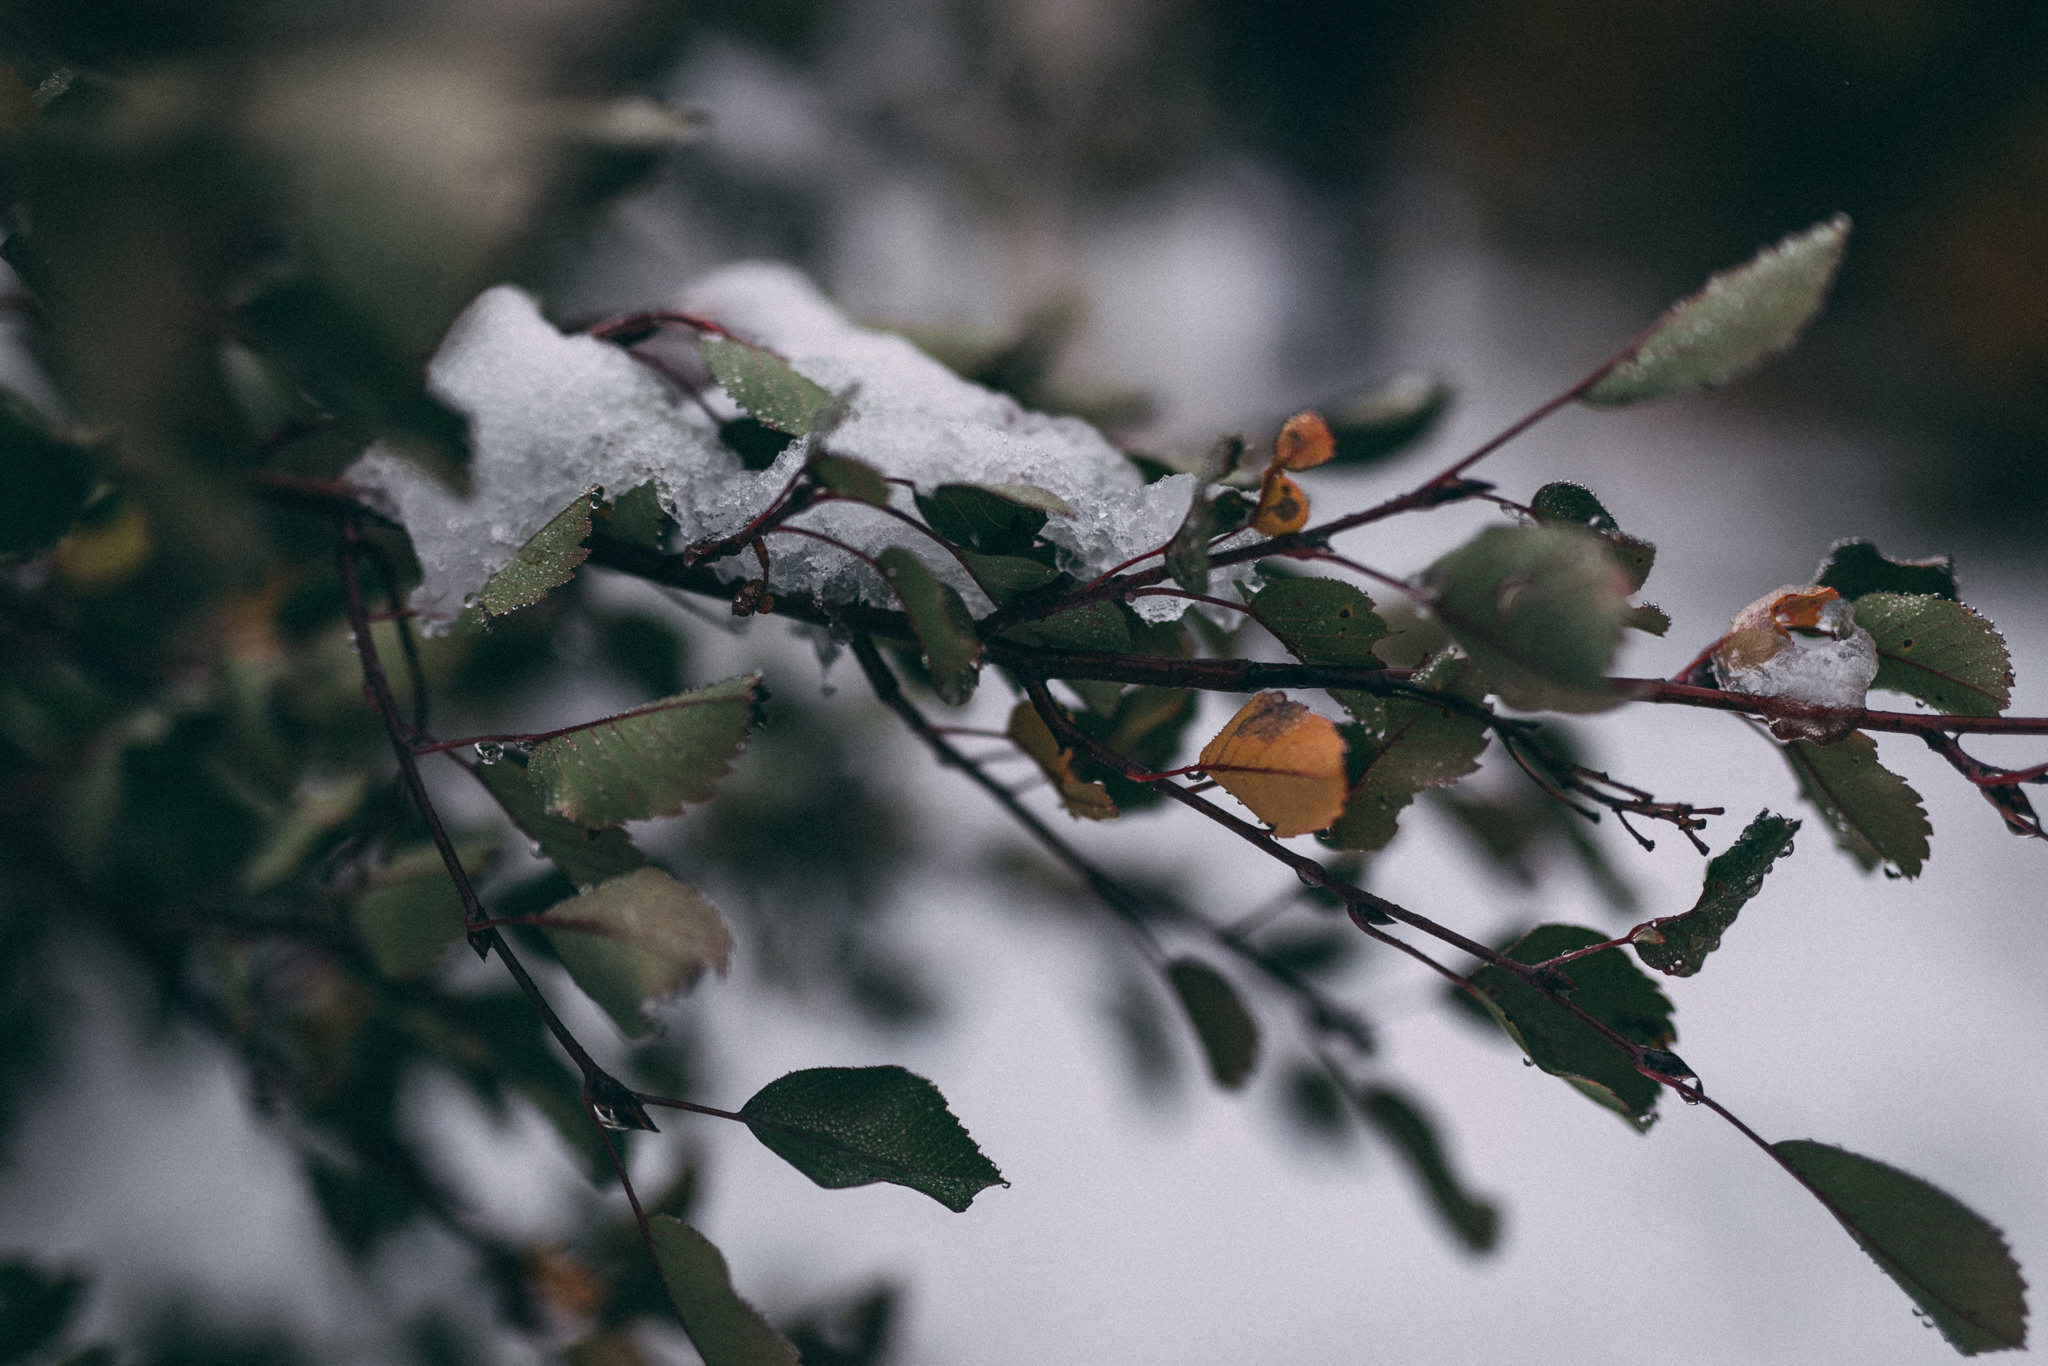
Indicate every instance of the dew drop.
{"type": "Point", "coordinates": [489, 752]}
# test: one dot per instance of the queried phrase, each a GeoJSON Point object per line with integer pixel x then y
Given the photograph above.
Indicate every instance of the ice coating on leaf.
{"type": "Point", "coordinates": [914, 419]}
{"type": "Point", "coordinates": [1801, 644]}
{"type": "Point", "coordinates": [552, 415]}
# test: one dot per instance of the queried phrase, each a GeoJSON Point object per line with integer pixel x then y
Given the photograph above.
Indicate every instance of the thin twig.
{"type": "Point", "coordinates": [600, 1088]}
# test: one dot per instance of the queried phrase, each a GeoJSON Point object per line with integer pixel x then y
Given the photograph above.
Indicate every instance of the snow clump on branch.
{"type": "Point", "coordinates": [552, 416]}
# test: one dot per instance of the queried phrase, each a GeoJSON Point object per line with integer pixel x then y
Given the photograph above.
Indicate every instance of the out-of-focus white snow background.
{"type": "Point", "coordinates": [1902, 1020]}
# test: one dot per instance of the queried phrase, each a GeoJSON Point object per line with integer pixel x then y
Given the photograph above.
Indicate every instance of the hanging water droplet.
{"type": "Point", "coordinates": [533, 847]}
{"type": "Point", "coordinates": [489, 752]}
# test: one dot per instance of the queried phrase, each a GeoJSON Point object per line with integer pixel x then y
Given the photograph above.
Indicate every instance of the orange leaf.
{"type": "Point", "coordinates": [1283, 507]}
{"type": "Point", "coordinates": [1802, 609]}
{"type": "Point", "coordinates": [1304, 442]}
{"type": "Point", "coordinates": [1084, 801]}
{"type": "Point", "coordinates": [1283, 761]}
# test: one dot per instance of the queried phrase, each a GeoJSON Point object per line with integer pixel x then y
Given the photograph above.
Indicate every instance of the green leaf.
{"type": "Point", "coordinates": [410, 913]}
{"type": "Point", "coordinates": [1229, 1034]}
{"type": "Point", "coordinates": [943, 624]}
{"type": "Point", "coordinates": [1402, 745]}
{"type": "Point", "coordinates": [980, 519]}
{"type": "Point", "coordinates": [1649, 618]}
{"type": "Point", "coordinates": [1856, 567]}
{"type": "Point", "coordinates": [586, 856]}
{"type": "Point", "coordinates": [854, 478]}
{"type": "Point", "coordinates": [1030, 496]}
{"type": "Point", "coordinates": [1475, 1222]}
{"type": "Point", "coordinates": [1876, 817]}
{"type": "Point", "coordinates": [1539, 609]}
{"type": "Point", "coordinates": [637, 939]}
{"type": "Point", "coordinates": [543, 563]}
{"type": "Point", "coordinates": [1938, 651]}
{"type": "Point", "coordinates": [725, 1329]}
{"type": "Point", "coordinates": [1742, 318]}
{"type": "Point", "coordinates": [1411, 638]}
{"type": "Point", "coordinates": [636, 517]}
{"type": "Point", "coordinates": [854, 1126]}
{"type": "Point", "coordinates": [1679, 944]}
{"type": "Point", "coordinates": [1567, 504]}
{"type": "Point", "coordinates": [1091, 626]}
{"type": "Point", "coordinates": [45, 479]}
{"type": "Point", "coordinates": [1383, 419]}
{"type": "Point", "coordinates": [764, 384]}
{"type": "Point", "coordinates": [1321, 621]}
{"type": "Point", "coordinates": [1007, 577]}
{"type": "Point", "coordinates": [649, 761]}
{"type": "Point", "coordinates": [1950, 1262]}
{"type": "Point", "coordinates": [1607, 986]}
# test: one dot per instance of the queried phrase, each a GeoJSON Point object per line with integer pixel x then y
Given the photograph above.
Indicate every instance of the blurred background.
{"type": "Point", "coordinates": [237, 230]}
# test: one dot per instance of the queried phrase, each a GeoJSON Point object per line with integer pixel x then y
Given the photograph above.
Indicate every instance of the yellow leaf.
{"type": "Point", "coordinates": [1086, 801]}
{"type": "Point", "coordinates": [101, 558]}
{"type": "Point", "coordinates": [1283, 761]}
{"type": "Point", "coordinates": [1283, 507]}
{"type": "Point", "coordinates": [1304, 442]}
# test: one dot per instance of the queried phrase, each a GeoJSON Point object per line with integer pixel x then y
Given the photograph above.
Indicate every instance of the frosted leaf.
{"type": "Point", "coordinates": [1799, 644]}
{"type": "Point", "coordinates": [552, 415]}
